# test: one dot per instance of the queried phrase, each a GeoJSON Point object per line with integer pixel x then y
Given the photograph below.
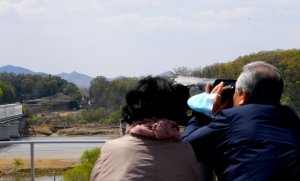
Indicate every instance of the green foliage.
{"type": "Point", "coordinates": [82, 171]}
{"type": "Point", "coordinates": [114, 118]}
{"type": "Point", "coordinates": [76, 97]}
{"type": "Point", "coordinates": [287, 61]}
{"type": "Point", "coordinates": [298, 54]}
{"type": "Point", "coordinates": [17, 161]}
{"type": "Point", "coordinates": [291, 97]}
{"type": "Point", "coordinates": [110, 95]}
{"type": "Point", "coordinates": [73, 105]}
{"type": "Point", "coordinates": [36, 120]}
{"type": "Point", "coordinates": [25, 86]}
{"type": "Point", "coordinates": [90, 156]}
{"type": "Point", "coordinates": [70, 89]}
{"type": "Point", "coordinates": [92, 115]}
{"type": "Point", "coordinates": [7, 94]}
{"type": "Point", "coordinates": [82, 121]}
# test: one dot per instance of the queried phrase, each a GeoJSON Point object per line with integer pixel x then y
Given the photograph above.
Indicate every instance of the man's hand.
{"type": "Point", "coordinates": [217, 101]}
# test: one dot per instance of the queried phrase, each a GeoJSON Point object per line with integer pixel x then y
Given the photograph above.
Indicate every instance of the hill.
{"type": "Point", "coordinates": [81, 80]}
{"type": "Point", "coordinates": [18, 70]}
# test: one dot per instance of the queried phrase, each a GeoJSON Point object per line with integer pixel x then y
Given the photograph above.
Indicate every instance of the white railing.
{"type": "Point", "coordinates": [10, 110]}
{"type": "Point", "coordinates": [45, 142]}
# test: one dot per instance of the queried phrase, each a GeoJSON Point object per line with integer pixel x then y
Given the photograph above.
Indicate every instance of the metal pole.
{"type": "Point", "coordinates": [54, 176]}
{"type": "Point", "coordinates": [32, 160]}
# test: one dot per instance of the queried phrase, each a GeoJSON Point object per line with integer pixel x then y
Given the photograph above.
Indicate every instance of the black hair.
{"type": "Point", "coordinates": [154, 97]}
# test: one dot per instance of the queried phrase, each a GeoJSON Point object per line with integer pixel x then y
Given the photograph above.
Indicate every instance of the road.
{"type": "Point", "coordinates": [63, 151]}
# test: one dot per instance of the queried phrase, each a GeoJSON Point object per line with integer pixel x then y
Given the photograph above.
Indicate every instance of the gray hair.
{"type": "Point", "coordinates": [262, 82]}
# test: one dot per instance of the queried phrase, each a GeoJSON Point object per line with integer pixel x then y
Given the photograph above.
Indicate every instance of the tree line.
{"type": "Point", "coordinates": [107, 98]}
{"type": "Point", "coordinates": [21, 87]}
{"type": "Point", "coordinates": [287, 61]}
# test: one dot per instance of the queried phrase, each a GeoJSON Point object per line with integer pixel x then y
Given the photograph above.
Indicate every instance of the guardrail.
{"type": "Point", "coordinates": [10, 110]}
{"type": "Point", "coordinates": [44, 142]}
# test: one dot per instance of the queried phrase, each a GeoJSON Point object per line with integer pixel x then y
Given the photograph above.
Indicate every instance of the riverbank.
{"type": "Point", "coordinates": [91, 129]}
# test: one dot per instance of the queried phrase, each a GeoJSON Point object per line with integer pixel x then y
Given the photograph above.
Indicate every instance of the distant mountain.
{"type": "Point", "coordinates": [78, 79]}
{"type": "Point", "coordinates": [168, 73]}
{"type": "Point", "coordinates": [18, 70]}
{"type": "Point", "coordinates": [81, 80]}
{"type": "Point", "coordinates": [111, 79]}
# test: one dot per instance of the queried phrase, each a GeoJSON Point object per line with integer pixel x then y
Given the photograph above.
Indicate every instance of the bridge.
{"type": "Point", "coordinates": [11, 120]}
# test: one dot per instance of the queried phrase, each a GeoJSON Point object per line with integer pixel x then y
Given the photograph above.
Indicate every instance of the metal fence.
{"type": "Point", "coordinates": [44, 142]}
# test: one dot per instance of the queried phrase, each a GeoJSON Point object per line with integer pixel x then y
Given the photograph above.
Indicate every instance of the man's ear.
{"type": "Point", "coordinates": [243, 99]}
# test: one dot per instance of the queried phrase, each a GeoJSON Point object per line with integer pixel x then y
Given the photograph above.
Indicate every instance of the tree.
{"type": "Point", "coordinates": [70, 89]}
{"type": "Point", "coordinates": [7, 94]}
{"type": "Point", "coordinates": [97, 88]}
{"type": "Point", "coordinates": [76, 97]}
{"type": "Point", "coordinates": [184, 71]}
{"type": "Point", "coordinates": [73, 105]}
{"type": "Point", "coordinates": [114, 118]}
{"type": "Point", "coordinates": [27, 86]}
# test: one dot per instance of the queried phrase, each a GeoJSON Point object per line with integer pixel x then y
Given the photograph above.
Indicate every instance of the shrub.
{"type": "Point", "coordinates": [90, 156]}
{"type": "Point", "coordinates": [82, 171]}
{"type": "Point", "coordinates": [73, 105]}
{"type": "Point", "coordinates": [17, 161]}
{"type": "Point", "coordinates": [36, 120]}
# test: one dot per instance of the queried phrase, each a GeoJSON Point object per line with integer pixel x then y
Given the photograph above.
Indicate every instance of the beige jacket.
{"type": "Point", "coordinates": [143, 159]}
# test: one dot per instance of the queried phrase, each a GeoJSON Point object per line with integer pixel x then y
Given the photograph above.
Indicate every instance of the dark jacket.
{"type": "Point", "coordinates": [250, 142]}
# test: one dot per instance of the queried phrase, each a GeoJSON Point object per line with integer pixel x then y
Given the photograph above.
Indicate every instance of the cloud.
{"type": "Point", "coordinates": [182, 10]}
{"type": "Point", "coordinates": [5, 7]}
{"type": "Point", "coordinates": [158, 22]}
{"type": "Point", "coordinates": [29, 11]}
{"type": "Point", "coordinates": [224, 14]}
{"type": "Point", "coordinates": [122, 19]}
{"type": "Point", "coordinates": [287, 1]}
{"type": "Point", "coordinates": [284, 11]}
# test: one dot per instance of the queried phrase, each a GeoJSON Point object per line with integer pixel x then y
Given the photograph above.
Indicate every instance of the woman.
{"type": "Point", "coordinates": [152, 147]}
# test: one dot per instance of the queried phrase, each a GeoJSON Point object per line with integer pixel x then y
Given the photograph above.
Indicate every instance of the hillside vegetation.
{"type": "Point", "coordinates": [21, 87]}
{"type": "Point", "coordinates": [287, 61]}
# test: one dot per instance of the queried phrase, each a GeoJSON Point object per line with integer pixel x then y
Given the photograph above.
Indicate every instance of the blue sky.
{"type": "Point", "coordinates": [141, 37]}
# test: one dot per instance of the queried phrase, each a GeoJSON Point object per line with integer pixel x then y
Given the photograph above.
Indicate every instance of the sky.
{"type": "Point", "coordinates": [141, 37]}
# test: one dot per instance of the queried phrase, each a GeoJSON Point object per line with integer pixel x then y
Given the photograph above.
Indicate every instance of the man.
{"type": "Point", "coordinates": [258, 139]}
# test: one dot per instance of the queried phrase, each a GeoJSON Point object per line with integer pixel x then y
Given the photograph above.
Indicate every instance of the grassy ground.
{"type": "Point", "coordinates": [77, 129]}
{"type": "Point", "coordinates": [44, 167]}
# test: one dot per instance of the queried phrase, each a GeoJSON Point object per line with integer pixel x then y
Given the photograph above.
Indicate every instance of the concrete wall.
{"type": "Point", "coordinates": [9, 110]}
{"type": "Point", "coordinates": [22, 123]}
{"type": "Point", "coordinates": [14, 129]}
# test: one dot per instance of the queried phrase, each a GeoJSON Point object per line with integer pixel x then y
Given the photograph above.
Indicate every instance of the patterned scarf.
{"type": "Point", "coordinates": [154, 128]}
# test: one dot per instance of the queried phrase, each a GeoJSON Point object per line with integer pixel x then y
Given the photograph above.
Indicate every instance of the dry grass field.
{"type": "Point", "coordinates": [47, 165]}
{"type": "Point", "coordinates": [43, 167]}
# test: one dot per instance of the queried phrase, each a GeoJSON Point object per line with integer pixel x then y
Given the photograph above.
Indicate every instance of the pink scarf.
{"type": "Point", "coordinates": [154, 128]}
